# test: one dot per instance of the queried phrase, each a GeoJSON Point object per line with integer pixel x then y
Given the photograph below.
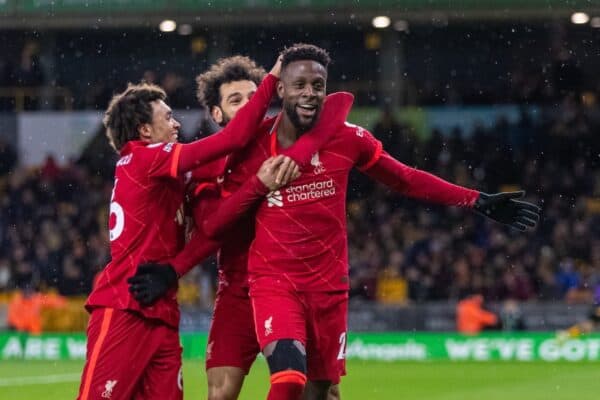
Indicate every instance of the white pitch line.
{"type": "Point", "coordinates": [39, 380]}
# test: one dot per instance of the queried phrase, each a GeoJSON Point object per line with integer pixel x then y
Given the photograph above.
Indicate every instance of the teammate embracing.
{"type": "Point", "coordinates": [133, 351]}
{"type": "Point", "coordinates": [298, 262]}
{"type": "Point", "coordinates": [232, 345]}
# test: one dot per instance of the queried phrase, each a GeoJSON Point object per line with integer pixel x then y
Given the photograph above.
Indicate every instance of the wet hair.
{"type": "Point", "coordinates": [229, 69]}
{"type": "Point", "coordinates": [304, 51]}
{"type": "Point", "coordinates": [128, 110]}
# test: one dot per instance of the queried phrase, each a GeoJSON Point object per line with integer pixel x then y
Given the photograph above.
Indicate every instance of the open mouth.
{"type": "Point", "coordinates": [306, 110]}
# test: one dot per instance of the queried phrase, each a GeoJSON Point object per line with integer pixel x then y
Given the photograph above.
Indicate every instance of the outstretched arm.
{"type": "Point", "coordinates": [238, 132]}
{"type": "Point", "coordinates": [501, 207]}
{"type": "Point", "coordinates": [418, 184]}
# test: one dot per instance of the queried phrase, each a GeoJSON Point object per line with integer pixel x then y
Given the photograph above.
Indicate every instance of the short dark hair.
{"type": "Point", "coordinates": [229, 69]}
{"type": "Point", "coordinates": [304, 51]}
{"type": "Point", "coordinates": [128, 110]}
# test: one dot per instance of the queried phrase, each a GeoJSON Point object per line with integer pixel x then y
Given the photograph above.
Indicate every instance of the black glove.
{"type": "Point", "coordinates": [503, 207]}
{"type": "Point", "coordinates": [151, 282]}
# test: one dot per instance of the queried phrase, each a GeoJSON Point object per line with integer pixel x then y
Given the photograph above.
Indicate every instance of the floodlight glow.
{"type": "Point", "coordinates": [580, 18]}
{"type": "Point", "coordinates": [168, 25]}
{"type": "Point", "coordinates": [381, 22]}
{"type": "Point", "coordinates": [595, 22]}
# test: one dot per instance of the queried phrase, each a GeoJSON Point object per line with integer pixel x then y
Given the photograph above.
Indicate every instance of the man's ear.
{"type": "Point", "coordinates": [280, 89]}
{"type": "Point", "coordinates": [217, 114]}
{"type": "Point", "coordinates": [145, 132]}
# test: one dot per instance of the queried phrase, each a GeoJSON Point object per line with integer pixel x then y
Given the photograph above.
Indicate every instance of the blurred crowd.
{"type": "Point", "coordinates": [53, 228]}
{"type": "Point", "coordinates": [447, 253]}
{"type": "Point", "coordinates": [53, 220]}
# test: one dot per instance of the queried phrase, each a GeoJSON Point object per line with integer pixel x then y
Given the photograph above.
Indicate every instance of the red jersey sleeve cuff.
{"type": "Point", "coordinates": [474, 196]}
{"type": "Point", "coordinates": [259, 187]}
{"type": "Point", "coordinates": [180, 267]}
{"type": "Point", "coordinates": [203, 186]}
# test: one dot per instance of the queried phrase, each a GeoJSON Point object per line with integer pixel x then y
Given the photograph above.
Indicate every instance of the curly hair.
{"type": "Point", "coordinates": [304, 51]}
{"type": "Point", "coordinates": [128, 110]}
{"type": "Point", "coordinates": [229, 69]}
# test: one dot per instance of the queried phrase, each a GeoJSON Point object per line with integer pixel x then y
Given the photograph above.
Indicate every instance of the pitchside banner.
{"type": "Point", "coordinates": [382, 347]}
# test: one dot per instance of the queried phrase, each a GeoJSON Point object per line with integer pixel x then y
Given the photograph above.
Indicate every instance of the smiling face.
{"type": "Point", "coordinates": [163, 128]}
{"type": "Point", "coordinates": [302, 88]}
{"type": "Point", "coordinates": [234, 95]}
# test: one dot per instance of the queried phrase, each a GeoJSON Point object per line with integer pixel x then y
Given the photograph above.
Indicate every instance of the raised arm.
{"type": "Point", "coordinates": [238, 132]}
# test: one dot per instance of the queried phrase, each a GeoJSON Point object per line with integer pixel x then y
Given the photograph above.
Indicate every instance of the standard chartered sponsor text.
{"type": "Point", "coordinates": [310, 191]}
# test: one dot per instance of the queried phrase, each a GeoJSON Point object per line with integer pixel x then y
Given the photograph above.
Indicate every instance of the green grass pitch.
{"type": "Point", "coordinates": [33, 380]}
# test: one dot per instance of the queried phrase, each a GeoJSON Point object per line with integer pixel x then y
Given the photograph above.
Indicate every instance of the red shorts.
{"type": "Point", "coordinates": [317, 319]}
{"type": "Point", "coordinates": [231, 339]}
{"type": "Point", "coordinates": [130, 357]}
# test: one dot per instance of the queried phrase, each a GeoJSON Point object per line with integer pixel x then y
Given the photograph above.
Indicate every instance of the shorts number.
{"type": "Point", "coordinates": [117, 210]}
{"type": "Point", "coordinates": [342, 352]}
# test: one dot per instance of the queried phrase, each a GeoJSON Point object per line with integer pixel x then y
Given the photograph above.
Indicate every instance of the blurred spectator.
{"type": "Point", "coordinates": [26, 306]}
{"type": "Point", "coordinates": [389, 131]}
{"type": "Point", "coordinates": [50, 170]}
{"type": "Point", "coordinates": [511, 316]}
{"type": "Point", "coordinates": [8, 158]}
{"type": "Point", "coordinates": [5, 275]}
{"type": "Point", "coordinates": [471, 318]}
{"type": "Point", "coordinates": [149, 76]}
{"type": "Point", "coordinates": [175, 87]}
{"type": "Point", "coordinates": [27, 72]}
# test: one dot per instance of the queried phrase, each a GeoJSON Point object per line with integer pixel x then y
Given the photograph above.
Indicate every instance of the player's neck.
{"type": "Point", "coordinates": [287, 133]}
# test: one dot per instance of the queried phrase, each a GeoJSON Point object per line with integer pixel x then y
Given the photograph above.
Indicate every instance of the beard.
{"type": "Point", "coordinates": [225, 120]}
{"type": "Point", "coordinates": [290, 110]}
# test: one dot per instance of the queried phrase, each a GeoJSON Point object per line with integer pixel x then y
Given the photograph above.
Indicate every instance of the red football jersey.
{"type": "Point", "coordinates": [301, 228]}
{"type": "Point", "coordinates": [146, 225]}
{"type": "Point", "coordinates": [233, 254]}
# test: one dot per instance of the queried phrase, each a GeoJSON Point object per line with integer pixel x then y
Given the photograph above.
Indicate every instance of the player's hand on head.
{"type": "Point", "coordinates": [504, 207]}
{"type": "Point", "coordinates": [276, 70]}
{"type": "Point", "coordinates": [151, 282]}
{"type": "Point", "coordinates": [278, 171]}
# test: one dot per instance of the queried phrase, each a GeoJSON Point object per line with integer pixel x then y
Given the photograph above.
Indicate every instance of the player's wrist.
{"type": "Point", "coordinates": [481, 201]}
{"type": "Point", "coordinates": [259, 186]}
{"type": "Point", "coordinates": [177, 267]}
{"type": "Point", "coordinates": [170, 275]}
